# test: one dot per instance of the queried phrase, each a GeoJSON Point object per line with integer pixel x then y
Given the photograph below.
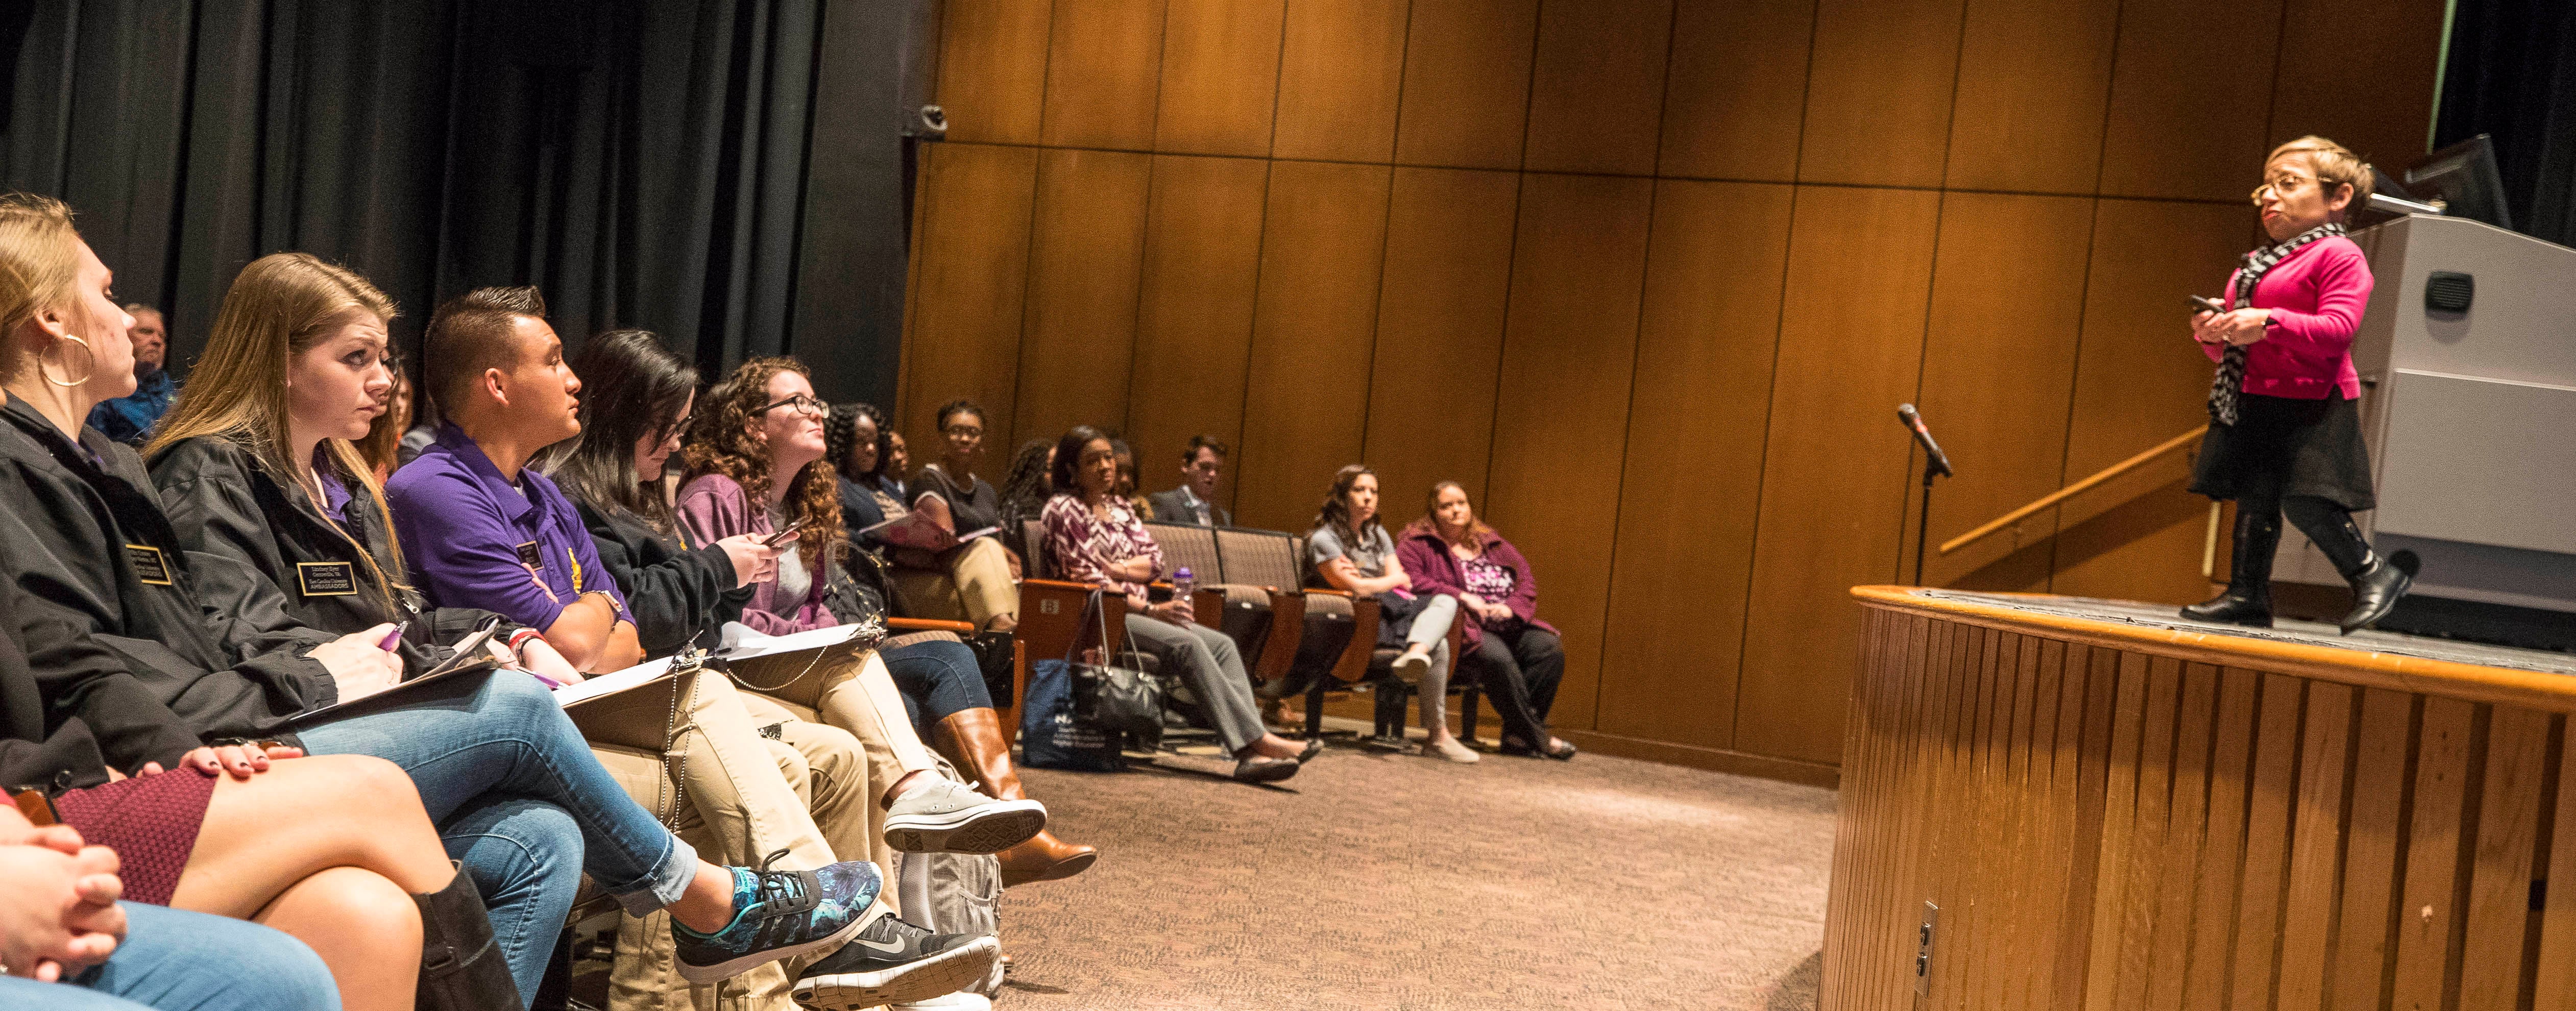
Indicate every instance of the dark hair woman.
{"type": "Point", "coordinates": [975, 581]}
{"type": "Point", "coordinates": [1025, 490]}
{"type": "Point", "coordinates": [1349, 550]}
{"type": "Point", "coordinates": [776, 427]}
{"type": "Point", "coordinates": [1518, 656]}
{"type": "Point", "coordinates": [115, 602]}
{"type": "Point", "coordinates": [2285, 425]}
{"type": "Point", "coordinates": [1093, 537]}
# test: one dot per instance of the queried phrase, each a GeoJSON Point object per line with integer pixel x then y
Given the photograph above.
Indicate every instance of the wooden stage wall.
{"type": "Point", "coordinates": [1648, 277]}
{"type": "Point", "coordinates": [2114, 828]}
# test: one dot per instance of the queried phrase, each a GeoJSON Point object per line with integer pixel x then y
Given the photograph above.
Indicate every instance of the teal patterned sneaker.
{"type": "Point", "coordinates": [893, 962]}
{"type": "Point", "coordinates": [780, 914]}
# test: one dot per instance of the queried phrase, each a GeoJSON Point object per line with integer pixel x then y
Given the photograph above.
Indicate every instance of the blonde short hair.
{"type": "Point", "coordinates": [39, 264]}
{"type": "Point", "coordinates": [2334, 164]}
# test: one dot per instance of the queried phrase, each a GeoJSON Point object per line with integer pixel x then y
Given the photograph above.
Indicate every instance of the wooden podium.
{"type": "Point", "coordinates": [2112, 811]}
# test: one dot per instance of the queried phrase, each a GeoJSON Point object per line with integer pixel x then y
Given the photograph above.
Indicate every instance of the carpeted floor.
{"type": "Point", "coordinates": [1399, 882]}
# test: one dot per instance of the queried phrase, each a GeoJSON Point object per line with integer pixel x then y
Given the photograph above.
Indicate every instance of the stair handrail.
{"type": "Point", "coordinates": [2070, 491]}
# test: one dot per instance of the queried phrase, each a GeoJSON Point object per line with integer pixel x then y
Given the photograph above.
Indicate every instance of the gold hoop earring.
{"type": "Point", "coordinates": [85, 374]}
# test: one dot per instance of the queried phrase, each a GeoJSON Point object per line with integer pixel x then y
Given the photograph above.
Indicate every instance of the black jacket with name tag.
{"type": "Point", "coordinates": [223, 501]}
{"type": "Point", "coordinates": [111, 595]}
{"type": "Point", "coordinates": [675, 592]}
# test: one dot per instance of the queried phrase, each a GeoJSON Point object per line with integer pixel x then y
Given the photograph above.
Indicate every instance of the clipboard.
{"type": "Point", "coordinates": [469, 657]}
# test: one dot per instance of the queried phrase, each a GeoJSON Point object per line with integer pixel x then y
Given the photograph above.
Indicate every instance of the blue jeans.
{"type": "Point", "coordinates": [503, 772]}
{"type": "Point", "coordinates": [179, 961]}
{"type": "Point", "coordinates": [937, 679]}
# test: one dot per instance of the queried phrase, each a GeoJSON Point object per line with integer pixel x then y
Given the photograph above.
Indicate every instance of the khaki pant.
{"type": "Point", "coordinates": [747, 796]}
{"type": "Point", "coordinates": [973, 584]}
{"type": "Point", "coordinates": [854, 694]}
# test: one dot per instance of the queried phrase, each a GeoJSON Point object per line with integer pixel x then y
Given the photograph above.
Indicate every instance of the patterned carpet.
{"type": "Point", "coordinates": [1398, 882]}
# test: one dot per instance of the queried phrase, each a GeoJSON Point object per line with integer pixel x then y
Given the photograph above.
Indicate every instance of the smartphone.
{"type": "Point", "coordinates": [782, 535]}
{"type": "Point", "coordinates": [2205, 302]}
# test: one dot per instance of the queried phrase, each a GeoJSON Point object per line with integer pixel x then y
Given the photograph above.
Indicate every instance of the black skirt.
{"type": "Point", "coordinates": [2284, 446]}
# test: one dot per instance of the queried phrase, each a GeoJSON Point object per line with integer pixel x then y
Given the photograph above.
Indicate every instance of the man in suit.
{"type": "Point", "coordinates": [1193, 501]}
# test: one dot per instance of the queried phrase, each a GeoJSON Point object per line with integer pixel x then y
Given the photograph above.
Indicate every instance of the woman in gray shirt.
{"type": "Point", "coordinates": [1350, 551]}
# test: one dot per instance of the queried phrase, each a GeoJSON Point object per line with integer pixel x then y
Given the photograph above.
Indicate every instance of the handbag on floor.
{"type": "Point", "coordinates": [1057, 730]}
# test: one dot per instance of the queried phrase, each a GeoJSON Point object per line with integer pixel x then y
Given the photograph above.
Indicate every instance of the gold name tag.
{"type": "Point", "coordinates": [149, 566]}
{"type": "Point", "coordinates": [327, 579]}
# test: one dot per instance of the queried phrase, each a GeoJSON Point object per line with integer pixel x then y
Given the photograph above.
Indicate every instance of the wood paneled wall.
{"type": "Point", "coordinates": [1647, 276]}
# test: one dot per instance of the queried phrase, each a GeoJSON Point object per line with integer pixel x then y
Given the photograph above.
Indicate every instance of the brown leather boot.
{"type": "Point", "coordinates": [973, 739]}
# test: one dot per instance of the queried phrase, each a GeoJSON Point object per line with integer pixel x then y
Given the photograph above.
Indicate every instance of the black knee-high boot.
{"type": "Point", "coordinates": [2377, 582]}
{"type": "Point", "coordinates": [461, 969]}
{"type": "Point", "coordinates": [2248, 600]}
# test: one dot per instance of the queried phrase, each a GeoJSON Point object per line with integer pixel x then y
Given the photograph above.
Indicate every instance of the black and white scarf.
{"type": "Point", "coordinates": [2231, 363]}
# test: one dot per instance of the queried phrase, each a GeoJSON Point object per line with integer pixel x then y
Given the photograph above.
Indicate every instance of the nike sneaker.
{"type": "Point", "coordinates": [947, 816]}
{"type": "Point", "coordinates": [780, 914]}
{"type": "Point", "coordinates": [893, 962]}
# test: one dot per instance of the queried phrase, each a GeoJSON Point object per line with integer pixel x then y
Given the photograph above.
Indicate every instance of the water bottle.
{"type": "Point", "coordinates": [1182, 583]}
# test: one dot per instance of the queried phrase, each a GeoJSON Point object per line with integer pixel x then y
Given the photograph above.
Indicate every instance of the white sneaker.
{"type": "Point", "coordinates": [1451, 749]}
{"type": "Point", "coordinates": [948, 817]}
{"type": "Point", "coordinates": [962, 1000]}
{"type": "Point", "coordinates": [1413, 666]}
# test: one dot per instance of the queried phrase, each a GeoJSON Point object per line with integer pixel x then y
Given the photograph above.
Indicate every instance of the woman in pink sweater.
{"type": "Point", "coordinates": [2285, 429]}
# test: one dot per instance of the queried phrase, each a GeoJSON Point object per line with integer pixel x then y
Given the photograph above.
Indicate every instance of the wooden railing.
{"type": "Point", "coordinates": [2008, 520]}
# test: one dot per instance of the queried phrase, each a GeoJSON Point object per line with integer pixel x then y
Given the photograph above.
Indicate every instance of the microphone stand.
{"type": "Point", "coordinates": [1923, 519]}
{"type": "Point", "coordinates": [1935, 464]}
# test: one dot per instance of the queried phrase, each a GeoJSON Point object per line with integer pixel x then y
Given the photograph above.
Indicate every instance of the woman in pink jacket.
{"type": "Point", "coordinates": [2285, 431]}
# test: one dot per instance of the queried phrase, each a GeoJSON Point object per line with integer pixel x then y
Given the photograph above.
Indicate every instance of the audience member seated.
{"type": "Point", "coordinates": [1025, 491]}
{"type": "Point", "coordinates": [898, 462]}
{"type": "Point", "coordinates": [70, 945]}
{"type": "Point", "coordinates": [767, 424]}
{"type": "Point", "coordinates": [1450, 551]}
{"type": "Point", "coordinates": [972, 504]}
{"type": "Point", "coordinates": [1349, 550]}
{"type": "Point", "coordinates": [381, 449]}
{"type": "Point", "coordinates": [1194, 501]}
{"type": "Point", "coordinates": [335, 851]}
{"type": "Point", "coordinates": [1128, 485]}
{"type": "Point", "coordinates": [128, 419]}
{"type": "Point", "coordinates": [1094, 537]}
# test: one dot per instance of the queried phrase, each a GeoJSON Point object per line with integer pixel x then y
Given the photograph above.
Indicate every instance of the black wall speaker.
{"type": "Point", "coordinates": [2449, 291]}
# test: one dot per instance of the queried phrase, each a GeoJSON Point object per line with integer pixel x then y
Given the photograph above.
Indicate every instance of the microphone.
{"type": "Point", "coordinates": [1914, 422]}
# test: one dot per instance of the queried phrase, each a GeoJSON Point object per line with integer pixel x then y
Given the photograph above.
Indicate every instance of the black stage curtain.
{"type": "Point", "coordinates": [645, 162]}
{"type": "Point", "coordinates": [2512, 73]}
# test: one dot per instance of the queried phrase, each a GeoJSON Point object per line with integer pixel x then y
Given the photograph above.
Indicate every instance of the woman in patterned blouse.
{"type": "Point", "coordinates": [1096, 538]}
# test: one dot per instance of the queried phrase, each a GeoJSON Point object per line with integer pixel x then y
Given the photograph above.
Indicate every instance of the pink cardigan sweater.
{"type": "Point", "coordinates": [2316, 297]}
{"type": "Point", "coordinates": [711, 508]}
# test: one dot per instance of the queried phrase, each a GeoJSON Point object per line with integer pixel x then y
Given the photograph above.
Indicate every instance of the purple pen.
{"type": "Point", "coordinates": [393, 637]}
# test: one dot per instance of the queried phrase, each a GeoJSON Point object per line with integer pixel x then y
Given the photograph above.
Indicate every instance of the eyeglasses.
{"type": "Point", "coordinates": [800, 402]}
{"type": "Point", "coordinates": [963, 431]}
{"type": "Point", "coordinates": [2283, 184]}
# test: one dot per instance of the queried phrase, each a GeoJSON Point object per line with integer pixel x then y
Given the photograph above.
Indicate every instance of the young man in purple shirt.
{"type": "Point", "coordinates": [481, 527]}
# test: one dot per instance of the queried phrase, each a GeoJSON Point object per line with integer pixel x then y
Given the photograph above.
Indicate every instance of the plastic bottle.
{"type": "Point", "coordinates": [1182, 583]}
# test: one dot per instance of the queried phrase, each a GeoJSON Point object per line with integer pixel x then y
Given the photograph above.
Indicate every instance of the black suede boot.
{"type": "Point", "coordinates": [2376, 587]}
{"type": "Point", "coordinates": [2248, 600]}
{"type": "Point", "coordinates": [461, 969]}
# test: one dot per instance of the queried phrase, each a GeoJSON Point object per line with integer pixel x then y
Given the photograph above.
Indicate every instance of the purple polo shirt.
{"type": "Point", "coordinates": [476, 542]}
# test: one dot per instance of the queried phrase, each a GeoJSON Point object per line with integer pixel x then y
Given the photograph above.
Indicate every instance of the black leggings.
{"type": "Point", "coordinates": [1519, 669]}
{"type": "Point", "coordinates": [2329, 525]}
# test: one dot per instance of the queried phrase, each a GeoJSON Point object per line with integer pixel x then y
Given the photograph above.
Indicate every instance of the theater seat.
{"type": "Point", "coordinates": [1340, 648]}
{"type": "Point", "coordinates": [1249, 609]}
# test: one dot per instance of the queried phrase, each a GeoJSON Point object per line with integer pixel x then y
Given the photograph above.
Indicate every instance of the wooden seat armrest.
{"type": "Point", "coordinates": [931, 625]}
{"type": "Point", "coordinates": [1287, 631]}
{"type": "Point", "coordinates": [1354, 664]}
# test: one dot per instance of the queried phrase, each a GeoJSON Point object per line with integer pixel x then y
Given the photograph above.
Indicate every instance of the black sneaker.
{"type": "Point", "coordinates": [893, 962]}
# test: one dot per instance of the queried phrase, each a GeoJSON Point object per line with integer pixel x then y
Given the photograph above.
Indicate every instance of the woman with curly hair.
{"type": "Point", "coordinates": [758, 462]}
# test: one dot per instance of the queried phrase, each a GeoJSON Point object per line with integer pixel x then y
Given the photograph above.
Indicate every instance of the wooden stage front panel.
{"type": "Point", "coordinates": [2113, 817]}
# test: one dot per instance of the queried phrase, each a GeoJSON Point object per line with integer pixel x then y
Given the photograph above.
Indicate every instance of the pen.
{"type": "Point", "coordinates": [393, 637]}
